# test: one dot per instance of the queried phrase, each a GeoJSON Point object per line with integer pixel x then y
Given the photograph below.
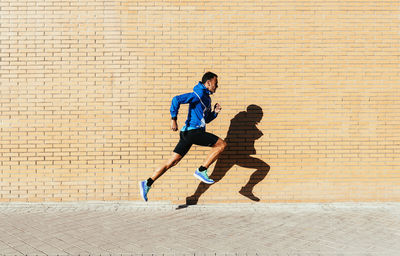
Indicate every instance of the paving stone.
{"type": "Point", "coordinates": [127, 228]}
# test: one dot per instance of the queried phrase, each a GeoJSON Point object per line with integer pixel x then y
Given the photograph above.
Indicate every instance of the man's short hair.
{"type": "Point", "coordinates": [207, 76]}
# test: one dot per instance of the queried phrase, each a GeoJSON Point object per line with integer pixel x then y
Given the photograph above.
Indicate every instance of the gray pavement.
{"type": "Point", "coordinates": [131, 228]}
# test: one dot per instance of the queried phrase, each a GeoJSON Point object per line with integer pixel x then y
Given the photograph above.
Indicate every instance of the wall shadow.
{"type": "Point", "coordinates": [240, 139]}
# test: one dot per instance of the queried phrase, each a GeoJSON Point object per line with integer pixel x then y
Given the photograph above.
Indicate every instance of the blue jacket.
{"type": "Point", "coordinates": [199, 107]}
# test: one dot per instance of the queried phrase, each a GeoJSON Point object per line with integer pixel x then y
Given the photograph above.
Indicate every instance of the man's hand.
{"type": "Point", "coordinates": [217, 108]}
{"type": "Point", "coordinates": [174, 125]}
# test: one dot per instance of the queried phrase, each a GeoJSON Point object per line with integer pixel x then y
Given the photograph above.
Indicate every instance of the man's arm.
{"type": "Point", "coordinates": [174, 125]}
{"type": "Point", "coordinates": [212, 115]}
{"type": "Point", "coordinates": [176, 103]}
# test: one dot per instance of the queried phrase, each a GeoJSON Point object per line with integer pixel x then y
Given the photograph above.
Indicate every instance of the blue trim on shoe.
{"type": "Point", "coordinates": [143, 189]}
{"type": "Point", "coordinates": [198, 175]}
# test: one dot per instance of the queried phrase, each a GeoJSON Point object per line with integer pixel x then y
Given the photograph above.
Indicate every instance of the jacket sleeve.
{"type": "Point", "coordinates": [182, 99]}
{"type": "Point", "coordinates": [210, 116]}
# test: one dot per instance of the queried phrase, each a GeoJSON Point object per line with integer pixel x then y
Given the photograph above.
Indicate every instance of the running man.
{"type": "Point", "coordinates": [193, 132]}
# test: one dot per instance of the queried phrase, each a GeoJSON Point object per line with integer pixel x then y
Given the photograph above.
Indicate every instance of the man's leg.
{"type": "Point", "coordinates": [145, 185]}
{"type": "Point", "coordinates": [180, 151]}
{"type": "Point", "coordinates": [216, 150]}
{"type": "Point", "coordinates": [172, 161]}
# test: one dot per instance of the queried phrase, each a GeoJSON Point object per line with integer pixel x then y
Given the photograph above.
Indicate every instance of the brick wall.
{"type": "Point", "coordinates": [86, 88]}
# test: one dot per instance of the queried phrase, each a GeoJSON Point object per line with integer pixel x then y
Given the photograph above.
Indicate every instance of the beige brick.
{"type": "Point", "coordinates": [85, 97]}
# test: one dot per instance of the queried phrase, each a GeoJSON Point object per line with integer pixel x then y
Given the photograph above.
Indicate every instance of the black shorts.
{"type": "Point", "coordinates": [198, 137]}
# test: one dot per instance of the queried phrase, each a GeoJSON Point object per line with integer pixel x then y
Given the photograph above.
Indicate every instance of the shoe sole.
{"type": "Point", "coordinates": [141, 191]}
{"type": "Point", "coordinates": [201, 179]}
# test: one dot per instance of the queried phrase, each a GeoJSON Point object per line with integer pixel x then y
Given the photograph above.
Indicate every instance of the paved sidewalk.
{"type": "Point", "coordinates": [128, 228]}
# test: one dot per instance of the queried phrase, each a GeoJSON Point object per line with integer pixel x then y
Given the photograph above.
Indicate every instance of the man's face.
{"type": "Point", "coordinates": [212, 84]}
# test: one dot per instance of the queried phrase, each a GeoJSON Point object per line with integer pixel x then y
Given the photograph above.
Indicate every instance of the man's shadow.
{"type": "Point", "coordinates": [240, 139]}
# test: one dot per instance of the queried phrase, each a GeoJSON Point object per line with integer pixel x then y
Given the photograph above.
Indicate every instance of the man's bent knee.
{"type": "Point", "coordinates": [221, 144]}
{"type": "Point", "coordinates": [224, 144]}
{"type": "Point", "coordinates": [174, 160]}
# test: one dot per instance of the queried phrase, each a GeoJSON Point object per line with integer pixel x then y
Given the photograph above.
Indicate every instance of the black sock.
{"type": "Point", "coordinates": [202, 169]}
{"type": "Point", "coordinates": [150, 182]}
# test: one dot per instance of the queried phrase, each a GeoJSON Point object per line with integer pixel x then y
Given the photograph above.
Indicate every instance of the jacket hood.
{"type": "Point", "coordinates": [201, 87]}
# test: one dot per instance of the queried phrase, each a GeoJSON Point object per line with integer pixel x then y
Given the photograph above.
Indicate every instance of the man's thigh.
{"type": "Point", "coordinates": [183, 146]}
{"type": "Point", "coordinates": [203, 138]}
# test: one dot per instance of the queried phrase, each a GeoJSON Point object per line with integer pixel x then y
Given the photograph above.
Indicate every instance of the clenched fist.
{"type": "Point", "coordinates": [217, 108]}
